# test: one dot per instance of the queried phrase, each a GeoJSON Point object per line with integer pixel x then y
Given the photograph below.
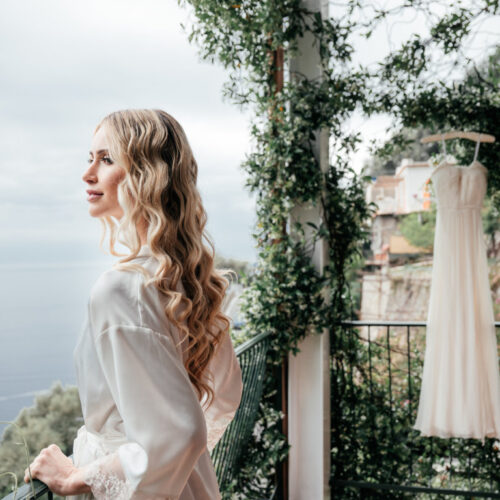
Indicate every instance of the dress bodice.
{"type": "Point", "coordinates": [460, 187]}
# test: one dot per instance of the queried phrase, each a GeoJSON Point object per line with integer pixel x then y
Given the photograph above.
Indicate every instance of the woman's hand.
{"type": "Point", "coordinates": [58, 472]}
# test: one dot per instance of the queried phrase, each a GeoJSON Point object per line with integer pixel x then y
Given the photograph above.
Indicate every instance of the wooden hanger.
{"type": "Point", "coordinates": [455, 134]}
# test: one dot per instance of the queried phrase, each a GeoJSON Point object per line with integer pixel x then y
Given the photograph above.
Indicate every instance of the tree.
{"type": "Point", "coordinates": [385, 159]}
{"type": "Point", "coordinates": [240, 267]}
{"type": "Point", "coordinates": [484, 79]}
{"type": "Point", "coordinates": [491, 225]}
{"type": "Point", "coordinates": [470, 101]}
{"type": "Point", "coordinates": [418, 228]}
{"type": "Point", "coordinates": [55, 418]}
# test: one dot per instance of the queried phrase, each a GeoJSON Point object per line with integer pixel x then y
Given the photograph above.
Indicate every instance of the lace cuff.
{"type": "Point", "coordinates": [107, 481]}
{"type": "Point", "coordinates": [107, 485]}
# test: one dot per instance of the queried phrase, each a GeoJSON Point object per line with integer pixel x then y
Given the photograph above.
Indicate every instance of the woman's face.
{"type": "Point", "coordinates": [102, 177]}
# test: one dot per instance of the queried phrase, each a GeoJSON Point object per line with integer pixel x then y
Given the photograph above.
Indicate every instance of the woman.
{"type": "Point", "coordinates": [157, 374]}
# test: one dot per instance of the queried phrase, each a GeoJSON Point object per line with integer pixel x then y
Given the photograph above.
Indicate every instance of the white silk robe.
{"type": "Point", "coordinates": [145, 433]}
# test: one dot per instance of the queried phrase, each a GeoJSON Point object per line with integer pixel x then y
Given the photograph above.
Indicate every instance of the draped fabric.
{"type": "Point", "coordinates": [145, 434]}
{"type": "Point", "coordinates": [460, 392]}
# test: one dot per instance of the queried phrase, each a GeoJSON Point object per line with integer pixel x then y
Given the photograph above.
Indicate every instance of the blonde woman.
{"type": "Point", "coordinates": [157, 374]}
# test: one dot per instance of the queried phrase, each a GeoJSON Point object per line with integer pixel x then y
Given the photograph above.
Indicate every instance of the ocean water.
{"type": "Point", "coordinates": [42, 310]}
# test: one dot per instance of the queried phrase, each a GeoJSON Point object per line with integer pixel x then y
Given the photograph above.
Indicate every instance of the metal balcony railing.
{"type": "Point", "coordinates": [376, 453]}
{"type": "Point", "coordinates": [228, 451]}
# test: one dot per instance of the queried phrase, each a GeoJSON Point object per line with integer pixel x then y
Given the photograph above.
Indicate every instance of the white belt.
{"type": "Point", "coordinates": [88, 446]}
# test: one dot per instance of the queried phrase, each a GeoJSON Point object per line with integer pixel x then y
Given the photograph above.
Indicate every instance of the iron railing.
{"type": "Point", "coordinates": [228, 451]}
{"type": "Point", "coordinates": [376, 453]}
{"type": "Point", "coordinates": [25, 492]}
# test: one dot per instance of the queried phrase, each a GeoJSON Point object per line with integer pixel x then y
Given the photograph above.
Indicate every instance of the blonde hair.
{"type": "Point", "coordinates": [159, 192]}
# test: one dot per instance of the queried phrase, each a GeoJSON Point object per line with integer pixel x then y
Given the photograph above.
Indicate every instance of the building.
{"type": "Point", "coordinates": [405, 192]}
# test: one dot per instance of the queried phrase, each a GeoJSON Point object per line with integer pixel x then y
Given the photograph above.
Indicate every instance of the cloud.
{"type": "Point", "coordinates": [67, 64]}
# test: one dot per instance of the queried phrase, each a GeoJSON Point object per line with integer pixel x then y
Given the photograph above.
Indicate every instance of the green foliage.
{"type": "Point", "coordinates": [281, 298]}
{"type": "Point", "coordinates": [240, 267]}
{"type": "Point", "coordinates": [265, 453]}
{"type": "Point", "coordinates": [404, 144]}
{"type": "Point", "coordinates": [354, 280]}
{"type": "Point", "coordinates": [418, 228]}
{"type": "Point", "coordinates": [439, 107]}
{"type": "Point", "coordinates": [491, 223]}
{"type": "Point", "coordinates": [373, 440]}
{"type": "Point", "coordinates": [239, 336]}
{"type": "Point", "coordinates": [486, 73]}
{"type": "Point", "coordinates": [15, 486]}
{"type": "Point", "coordinates": [286, 294]}
{"type": "Point", "coordinates": [55, 418]}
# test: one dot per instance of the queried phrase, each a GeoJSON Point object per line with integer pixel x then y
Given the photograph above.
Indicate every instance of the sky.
{"type": "Point", "coordinates": [65, 65]}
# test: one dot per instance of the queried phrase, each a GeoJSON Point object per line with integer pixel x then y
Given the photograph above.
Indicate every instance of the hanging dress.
{"type": "Point", "coordinates": [460, 392]}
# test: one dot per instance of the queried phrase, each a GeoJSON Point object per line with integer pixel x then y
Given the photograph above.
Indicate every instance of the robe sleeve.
{"type": "Point", "coordinates": [162, 417]}
{"type": "Point", "coordinates": [226, 382]}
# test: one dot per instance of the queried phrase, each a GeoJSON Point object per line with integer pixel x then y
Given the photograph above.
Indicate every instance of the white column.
{"type": "Point", "coordinates": [308, 371]}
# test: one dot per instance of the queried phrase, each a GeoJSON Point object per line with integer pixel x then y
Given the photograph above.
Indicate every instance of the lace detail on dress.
{"type": "Point", "coordinates": [107, 486]}
{"type": "Point", "coordinates": [215, 430]}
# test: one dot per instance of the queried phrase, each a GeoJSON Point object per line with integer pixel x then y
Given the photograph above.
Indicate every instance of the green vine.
{"type": "Point", "coordinates": [287, 295]}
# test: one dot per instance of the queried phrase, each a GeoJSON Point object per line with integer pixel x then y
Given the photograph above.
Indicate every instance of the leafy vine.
{"type": "Point", "coordinates": [287, 295]}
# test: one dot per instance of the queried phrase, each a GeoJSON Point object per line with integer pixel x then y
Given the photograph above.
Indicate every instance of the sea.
{"type": "Point", "coordinates": [42, 310]}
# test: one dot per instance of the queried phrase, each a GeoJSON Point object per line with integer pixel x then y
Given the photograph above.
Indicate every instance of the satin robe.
{"type": "Point", "coordinates": [145, 434]}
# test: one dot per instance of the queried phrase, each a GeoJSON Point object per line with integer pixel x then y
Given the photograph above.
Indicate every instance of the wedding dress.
{"type": "Point", "coordinates": [146, 435]}
{"type": "Point", "coordinates": [460, 392]}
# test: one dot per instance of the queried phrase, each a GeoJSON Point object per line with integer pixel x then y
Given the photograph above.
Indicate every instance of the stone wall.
{"type": "Point", "coordinates": [399, 293]}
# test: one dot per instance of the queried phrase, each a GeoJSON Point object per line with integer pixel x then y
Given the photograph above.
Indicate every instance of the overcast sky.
{"type": "Point", "coordinates": [66, 64]}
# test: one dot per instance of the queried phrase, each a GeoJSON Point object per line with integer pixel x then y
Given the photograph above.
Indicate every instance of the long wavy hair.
{"type": "Point", "coordinates": [159, 196]}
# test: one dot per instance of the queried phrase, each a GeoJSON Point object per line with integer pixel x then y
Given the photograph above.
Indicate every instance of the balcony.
{"type": "Point", "coordinates": [374, 393]}
{"type": "Point", "coordinates": [230, 449]}
{"type": "Point", "coordinates": [375, 452]}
